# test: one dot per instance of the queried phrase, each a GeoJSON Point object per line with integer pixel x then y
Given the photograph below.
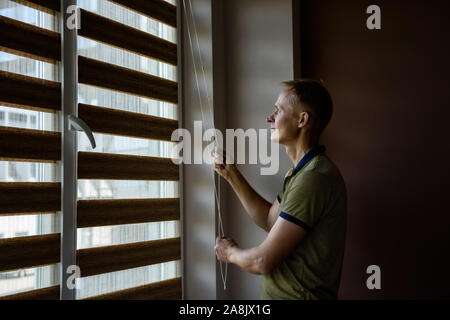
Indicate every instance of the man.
{"type": "Point", "coordinates": [301, 257]}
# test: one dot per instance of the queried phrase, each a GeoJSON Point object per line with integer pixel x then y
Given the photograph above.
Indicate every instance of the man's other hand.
{"type": "Point", "coordinates": [223, 248]}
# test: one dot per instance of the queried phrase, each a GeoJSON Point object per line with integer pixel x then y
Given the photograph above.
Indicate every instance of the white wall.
{"type": "Point", "coordinates": [259, 55]}
{"type": "Point", "coordinates": [250, 54]}
{"type": "Point", "coordinates": [199, 268]}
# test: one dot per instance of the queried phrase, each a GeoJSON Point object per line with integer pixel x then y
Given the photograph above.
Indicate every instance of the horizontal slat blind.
{"type": "Point", "coordinates": [49, 6]}
{"type": "Point", "coordinates": [156, 9]}
{"type": "Point", "coordinates": [114, 258]}
{"type": "Point", "coordinates": [163, 290]}
{"type": "Point", "coordinates": [95, 213]}
{"type": "Point", "coordinates": [129, 124]}
{"type": "Point", "coordinates": [124, 167]}
{"type": "Point", "coordinates": [28, 92]}
{"type": "Point", "coordinates": [116, 34]}
{"type": "Point", "coordinates": [38, 43]}
{"type": "Point", "coordinates": [16, 144]}
{"type": "Point", "coordinates": [109, 76]}
{"type": "Point", "coordinates": [50, 293]}
{"type": "Point", "coordinates": [30, 145]}
{"type": "Point", "coordinates": [26, 252]}
{"type": "Point", "coordinates": [29, 197]}
{"type": "Point", "coordinates": [92, 213]}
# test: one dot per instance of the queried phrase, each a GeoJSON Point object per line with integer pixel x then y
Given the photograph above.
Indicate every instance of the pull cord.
{"type": "Point", "coordinates": [223, 271]}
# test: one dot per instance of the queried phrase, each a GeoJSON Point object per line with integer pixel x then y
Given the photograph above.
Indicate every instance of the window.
{"type": "Point", "coordinates": [11, 172]}
{"type": "Point", "coordinates": [21, 234]}
{"type": "Point", "coordinates": [18, 118]}
{"type": "Point", "coordinates": [113, 144]}
{"type": "Point", "coordinates": [151, 195]}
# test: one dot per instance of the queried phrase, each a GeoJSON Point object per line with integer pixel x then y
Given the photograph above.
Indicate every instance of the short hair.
{"type": "Point", "coordinates": [312, 95]}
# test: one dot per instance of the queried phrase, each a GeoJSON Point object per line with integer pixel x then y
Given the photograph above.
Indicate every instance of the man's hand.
{"type": "Point", "coordinates": [223, 165]}
{"type": "Point", "coordinates": [223, 248]}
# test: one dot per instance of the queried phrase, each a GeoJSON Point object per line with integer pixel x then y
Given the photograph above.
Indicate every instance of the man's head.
{"type": "Point", "coordinates": [304, 106]}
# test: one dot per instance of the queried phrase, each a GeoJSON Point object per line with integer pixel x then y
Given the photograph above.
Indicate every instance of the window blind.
{"type": "Point", "coordinates": [24, 145]}
{"type": "Point", "coordinates": [110, 166]}
{"type": "Point", "coordinates": [31, 145]}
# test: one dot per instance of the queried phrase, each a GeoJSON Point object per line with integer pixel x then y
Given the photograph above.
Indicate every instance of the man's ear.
{"type": "Point", "coordinates": [303, 120]}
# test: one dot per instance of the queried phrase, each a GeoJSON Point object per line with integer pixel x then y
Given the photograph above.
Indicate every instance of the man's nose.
{"type": "Point", "coordinates": [270, 119]}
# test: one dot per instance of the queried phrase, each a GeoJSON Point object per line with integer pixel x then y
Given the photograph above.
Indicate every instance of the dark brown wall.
{"type": "Point", "coordinates": [390, 138]}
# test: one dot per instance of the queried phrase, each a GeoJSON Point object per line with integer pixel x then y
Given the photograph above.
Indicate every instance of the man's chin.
{"type": "Point", "coordinates": [274, 135]}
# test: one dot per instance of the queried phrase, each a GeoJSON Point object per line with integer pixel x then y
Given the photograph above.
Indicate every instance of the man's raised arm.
{"type": "Point", "coordinates": [260, 211]}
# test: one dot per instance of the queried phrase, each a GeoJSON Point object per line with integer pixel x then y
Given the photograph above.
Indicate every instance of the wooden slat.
{"type": "Point", "coordinates": [29, 41]}
{"type": "Point", "coordinates": [49, 6]}
{"type": "Point", "coordinates": [29, 145]}
{"type": "Point", "coordinates": [50, 293]}
{"type": "Point", "coordinates": [108, 31]}
{"type": "Point", "coordinates": [124, 123]}
{"type": "Point", "coordinates": [124, 167]}
{"type": "Point", "coordinates": [164, 290]}
{"type": "Point", "coordinates": [115, 258]}
{"type": "Point", "coordinates": [28, 92]}
{"type": "Point", "coordinates": [110, 76]}
{"type": "Point", "coordinates": [23, 198]}
{"type": "Point", "coordinates": [96, 213]}
{"type": "Point", "coordinates": [157, 9]}
{"type": "Point", "coordinates": [27, 252]}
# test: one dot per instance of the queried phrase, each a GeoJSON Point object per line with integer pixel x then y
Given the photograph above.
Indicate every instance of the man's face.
{"type": "Point", "coordinates": [284, 121]}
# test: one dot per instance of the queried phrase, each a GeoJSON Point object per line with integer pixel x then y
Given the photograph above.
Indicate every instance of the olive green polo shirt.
{"type": "Point", "coordinates": [313, 197]}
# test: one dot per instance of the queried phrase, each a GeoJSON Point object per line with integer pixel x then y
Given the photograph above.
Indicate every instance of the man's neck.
{"type": "Point", "coordinates": [297, 150]}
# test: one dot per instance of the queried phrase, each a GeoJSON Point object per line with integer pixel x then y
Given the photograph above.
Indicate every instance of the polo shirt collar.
{"type": "Point", "coordinates": [311, 154]}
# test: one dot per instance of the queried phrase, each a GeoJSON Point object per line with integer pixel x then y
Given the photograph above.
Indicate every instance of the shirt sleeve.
{"type": "Point", "coordinates": [280, 196]}
{"type": "Point", "coordinates": [305, 200]}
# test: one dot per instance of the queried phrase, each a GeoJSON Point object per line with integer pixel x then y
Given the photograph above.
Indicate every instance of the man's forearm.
{"type": "Point", "coordinates": [251, 260]}
{"type": "Point", "coordinates": [255, 205]}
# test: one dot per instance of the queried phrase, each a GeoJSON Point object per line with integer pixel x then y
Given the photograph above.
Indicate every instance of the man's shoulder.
{"type": "Point", "coordinates": [320, 176]}
{"type": "Point", "coordinates": [321, 168]}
